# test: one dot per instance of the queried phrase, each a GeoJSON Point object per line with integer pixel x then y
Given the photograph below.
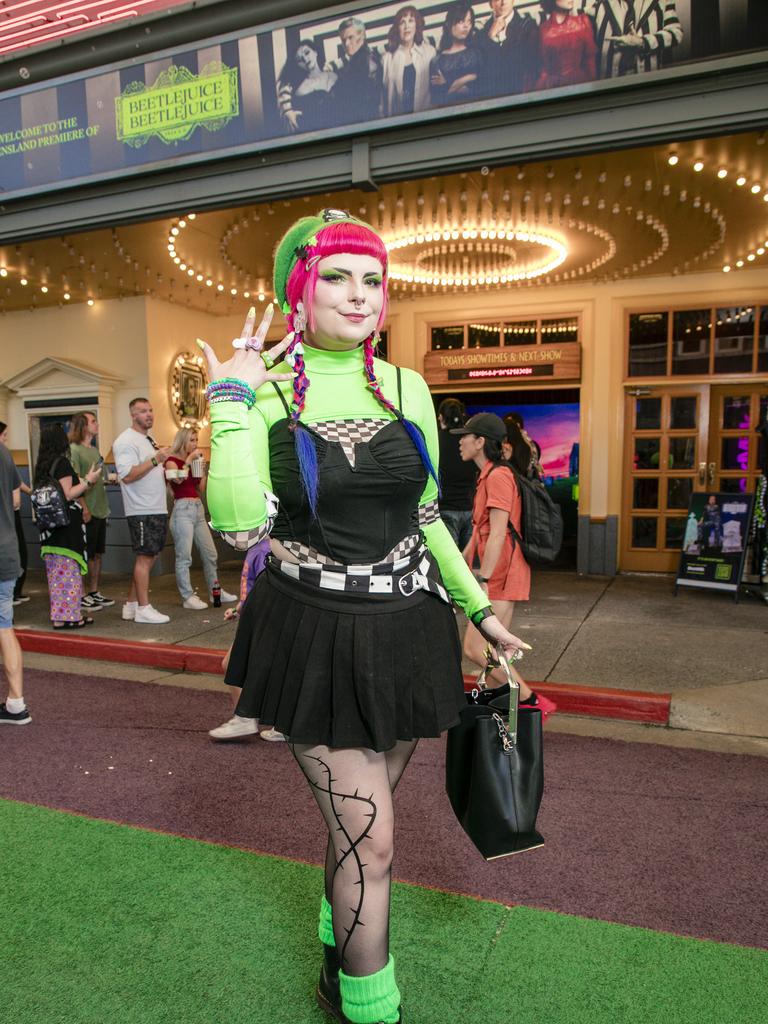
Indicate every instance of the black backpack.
{"type": "Point", "coordinates": [541, 521]}
{"type": "Point", "coordinates": [49, 504]}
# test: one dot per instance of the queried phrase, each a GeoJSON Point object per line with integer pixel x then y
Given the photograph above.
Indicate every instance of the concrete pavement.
{"type": "Point", "coordinates": [626, 632]}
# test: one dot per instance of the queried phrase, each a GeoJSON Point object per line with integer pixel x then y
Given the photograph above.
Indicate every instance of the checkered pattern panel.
{"type": "Point", "coordinates": [311, 556]}
{"type": "Point", "coordinates": [348, 433]}
{"type": "Point", "coordinates": [428, 513]}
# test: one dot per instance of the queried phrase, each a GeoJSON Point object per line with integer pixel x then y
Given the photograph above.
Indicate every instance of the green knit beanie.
{"type": "Point", "coordinates": [297, 240]}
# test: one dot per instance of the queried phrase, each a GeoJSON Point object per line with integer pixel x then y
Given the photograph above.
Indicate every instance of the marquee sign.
{"type": "Point", "coordinates": [177, 103]}
{"type": "Point", "coordinates": [313, 76]}
{"type": "Point", "coordinates": [514, 364]}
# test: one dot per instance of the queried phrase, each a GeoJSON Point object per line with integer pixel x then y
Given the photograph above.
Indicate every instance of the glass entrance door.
{"type": "Point", "coordinates": [665, 461]}
{"type": "Point", "coordinates": [734, 447]}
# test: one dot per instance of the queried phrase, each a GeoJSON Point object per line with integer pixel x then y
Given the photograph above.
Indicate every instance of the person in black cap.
{"type": "Point", "coordinates": [457, 477]}
{"type": "Point", "coordinates": [503, 572]}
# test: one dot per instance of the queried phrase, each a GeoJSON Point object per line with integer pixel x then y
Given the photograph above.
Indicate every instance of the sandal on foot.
{"type": "Point", "coordinates": [85, 621]}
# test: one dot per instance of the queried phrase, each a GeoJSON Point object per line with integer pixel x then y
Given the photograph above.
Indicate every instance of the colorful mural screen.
{"type": "Point", "coordinates": [330, 72]}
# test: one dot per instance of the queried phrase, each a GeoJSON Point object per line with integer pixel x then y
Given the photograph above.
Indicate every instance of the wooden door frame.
{"type": "Point", "coordinates": [647, 560]}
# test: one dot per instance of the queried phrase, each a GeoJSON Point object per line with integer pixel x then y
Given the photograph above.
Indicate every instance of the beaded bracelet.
{"type": "Point", "coordinates": [230, 389]}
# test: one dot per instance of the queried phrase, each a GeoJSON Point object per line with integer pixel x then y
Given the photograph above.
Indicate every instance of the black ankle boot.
{"type": "Point", "coordinates": [328, 991]}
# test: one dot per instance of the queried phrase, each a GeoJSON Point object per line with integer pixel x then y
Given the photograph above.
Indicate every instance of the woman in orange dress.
{"type": "Point", "coordinates": [503, 573]}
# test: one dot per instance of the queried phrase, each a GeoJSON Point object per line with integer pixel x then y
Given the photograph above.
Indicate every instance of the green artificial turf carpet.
{"type": "Point", "coordinates": [103, 923]}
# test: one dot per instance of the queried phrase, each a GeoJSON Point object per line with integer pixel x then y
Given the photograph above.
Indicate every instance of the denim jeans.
{"type": "Point", "coordinates": [187, 525]}
{"type": "Point", "coordinates": [459, 526]}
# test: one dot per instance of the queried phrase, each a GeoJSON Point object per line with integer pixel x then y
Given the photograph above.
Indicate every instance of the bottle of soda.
{"type": "Point", "coordinates": [216, 594]}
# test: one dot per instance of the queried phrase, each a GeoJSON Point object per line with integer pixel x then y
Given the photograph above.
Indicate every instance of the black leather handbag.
{"type": "Point", "coordinates": [494, 769]}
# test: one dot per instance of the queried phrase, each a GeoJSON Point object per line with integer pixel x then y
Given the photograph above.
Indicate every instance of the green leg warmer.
{"type": "Point", "coordinates": [372, 998]}
{"type": "Point", "coordinates": [325, 925]}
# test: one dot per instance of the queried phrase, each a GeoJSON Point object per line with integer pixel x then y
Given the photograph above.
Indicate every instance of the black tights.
{"type": "Point", "coordinates": [353, 789]}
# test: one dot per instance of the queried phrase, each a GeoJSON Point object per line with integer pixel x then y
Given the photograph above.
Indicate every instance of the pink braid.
{"type": "Point", "coordinates": [300, 380]}
{"type": "Point", "coordinates": [370, 373]}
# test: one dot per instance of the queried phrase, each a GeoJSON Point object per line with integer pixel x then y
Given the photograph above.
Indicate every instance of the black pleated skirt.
{"type": "Point", "coordinates": [346, 671]}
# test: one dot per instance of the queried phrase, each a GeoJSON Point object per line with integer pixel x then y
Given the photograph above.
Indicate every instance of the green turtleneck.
{"type": "Point", "coordinates": [239, 474]}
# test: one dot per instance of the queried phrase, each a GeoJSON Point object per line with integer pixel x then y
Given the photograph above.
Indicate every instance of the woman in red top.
{"type": "Point", "coordinates": [504, 573]}
{"type": "Point", "coordinates": [188, 523]}
{"type": "Point", "coordinates": [567, 46]}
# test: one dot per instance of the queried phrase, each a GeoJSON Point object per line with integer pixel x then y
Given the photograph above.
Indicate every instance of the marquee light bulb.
{"type": "Point", "coordinates": [67, 296]}
{"type": "Point", "coordinates": [722, 173]}
{"type": "Point", "coordinates": [90, 302]}
{"type": "Point", "coordinates": [673, 160]}
{"type": "Point", "coordinates": [220, 287]}
{"type": "Point", "coordinates": [3, 272]}
{"type": "Point", "coordinates": [23, 281]}
{"type": "Point", "coordinates": [727, 268]}
{"type": "Point", "coordinates": [741, 180]}
{"type": "Point", "coordinates": [757, 189]}
{"type": "Point", "coordinates": [698, 166]}
{"type": "Point", "coordinates": [182, 223]}
{"type": "Point", "coordinates": [44, 289]}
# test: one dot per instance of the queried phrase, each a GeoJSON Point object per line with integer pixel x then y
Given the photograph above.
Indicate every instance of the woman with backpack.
{"type": "Point", "coordinates": [63, 547]}
{"type": "Point", "coordinates": [504, 573]}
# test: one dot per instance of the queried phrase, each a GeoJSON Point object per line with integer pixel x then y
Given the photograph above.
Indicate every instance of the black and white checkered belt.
{"type": "Point", "coordinates": [402, 578]}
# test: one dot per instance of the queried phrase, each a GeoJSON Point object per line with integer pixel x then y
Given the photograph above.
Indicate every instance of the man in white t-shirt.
{"type": "Point", "coordinates": [139, 463]}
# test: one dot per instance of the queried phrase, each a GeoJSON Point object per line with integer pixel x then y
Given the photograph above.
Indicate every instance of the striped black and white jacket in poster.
{"type": "Point", "coordinates": [656, 21]}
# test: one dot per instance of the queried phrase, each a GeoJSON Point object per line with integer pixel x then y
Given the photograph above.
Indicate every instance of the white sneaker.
{"type": "Point", "coordinates": [129, 610]}
{"type": "Point", "coordinates": [148, 614]}
{"type": "Point", "coordinates": [195, 603]}
{"type": "Point", "coordinates": [236, 727]}
{"type": "Point", "coordinates": [228, 598]}
{"type": "Point", "coordinates": [272, 735]}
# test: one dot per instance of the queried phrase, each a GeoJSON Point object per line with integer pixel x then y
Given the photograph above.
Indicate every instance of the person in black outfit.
{"type": "Point", "coordinates": [457, 477]}
{"type": "Point", "coordinates": [509, 45]}
{"type": "Point", "coordinates": [456, 68]}
{"type": "Point", "coordinates": [357, 94]}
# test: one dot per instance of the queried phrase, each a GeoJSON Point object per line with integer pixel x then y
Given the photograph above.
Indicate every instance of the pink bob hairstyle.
{"type": "Point", "coordinates": [357, 239]}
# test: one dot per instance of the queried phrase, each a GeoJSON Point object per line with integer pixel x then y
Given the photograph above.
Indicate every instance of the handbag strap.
{"type": "Point", "coordinates": [514, 695]}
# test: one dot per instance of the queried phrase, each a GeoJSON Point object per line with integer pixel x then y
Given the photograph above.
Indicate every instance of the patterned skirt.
{"type": "Point", "coordinates": [346, 671]}
{"type": "Point", "coordinates": [65, 588]}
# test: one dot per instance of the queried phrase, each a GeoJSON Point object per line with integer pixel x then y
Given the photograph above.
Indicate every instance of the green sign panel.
{"type": "Point", "coordinates": [177, 103]}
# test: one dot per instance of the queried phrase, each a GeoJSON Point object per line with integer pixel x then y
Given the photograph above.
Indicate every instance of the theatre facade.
{"type": "Point", "coordinates": [577, 231]}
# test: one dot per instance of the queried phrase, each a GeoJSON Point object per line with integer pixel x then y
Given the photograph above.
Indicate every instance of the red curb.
{"type": "Point", "coordinates": [628, 705]}
{"type": "Point", "coordinates": [602, 702]}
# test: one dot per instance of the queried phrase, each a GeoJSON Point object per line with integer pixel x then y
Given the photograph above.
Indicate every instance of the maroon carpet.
{"type": "Point", "coordinates": [636, 833]}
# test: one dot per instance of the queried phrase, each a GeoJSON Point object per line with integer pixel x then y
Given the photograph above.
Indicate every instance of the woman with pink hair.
{"type": "Point", "coordinates": [347, 642]}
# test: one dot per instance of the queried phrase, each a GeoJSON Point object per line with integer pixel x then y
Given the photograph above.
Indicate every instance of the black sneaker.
{"type": "Point", "coordinates": [14, 718]}
{"type": "Point", "coordinates": [88, 601]}
{"type": "Point", "coordinates": [100, 600]}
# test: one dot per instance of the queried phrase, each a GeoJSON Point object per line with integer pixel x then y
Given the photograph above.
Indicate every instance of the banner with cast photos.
{"type": "Point", "coordinates": [338, 70]}
{"type": "Point", "coordinates": [715, 541]}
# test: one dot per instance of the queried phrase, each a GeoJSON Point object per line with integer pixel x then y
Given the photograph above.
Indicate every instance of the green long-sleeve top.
{"type": "Point", "coordinates": [240, 477]}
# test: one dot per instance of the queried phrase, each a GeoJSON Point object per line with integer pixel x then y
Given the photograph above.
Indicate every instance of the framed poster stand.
{"type": "Point", "coordinates": [715, 542]}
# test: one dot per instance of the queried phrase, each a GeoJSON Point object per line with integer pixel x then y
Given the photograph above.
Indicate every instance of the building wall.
{"type": "Point", "coordinates": [138, 339]}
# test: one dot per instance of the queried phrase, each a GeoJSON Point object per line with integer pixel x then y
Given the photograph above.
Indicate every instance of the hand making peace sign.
{"type": "Point", "coordinates": [249, 363]}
